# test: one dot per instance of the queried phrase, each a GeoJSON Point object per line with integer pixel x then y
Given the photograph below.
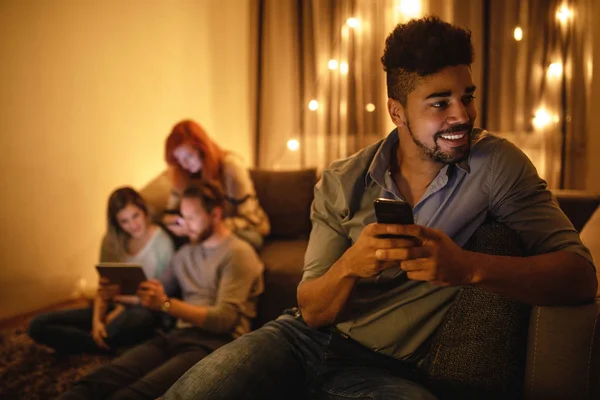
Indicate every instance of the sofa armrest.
{"type": "Point", "coordinates": [563, 354]}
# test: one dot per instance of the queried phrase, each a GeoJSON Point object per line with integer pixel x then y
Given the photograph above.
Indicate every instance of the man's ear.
{"type": "Point", "coordinates": [396, 111]}
{"type": "Point", "coordinates": [217, 214]}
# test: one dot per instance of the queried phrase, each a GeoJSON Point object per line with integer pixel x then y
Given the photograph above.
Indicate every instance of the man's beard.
{"type": "Point", "coordinates": [206, 233]}
{"type": "Point", "coordinates": [435, 153]}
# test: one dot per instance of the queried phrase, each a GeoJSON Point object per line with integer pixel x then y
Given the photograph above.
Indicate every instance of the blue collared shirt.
{"type": "Point", "coordinates": [391, 313]}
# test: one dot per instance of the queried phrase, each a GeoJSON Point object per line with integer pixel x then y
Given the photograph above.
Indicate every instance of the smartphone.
{"type": "Point", "coordinates": [393, 212]}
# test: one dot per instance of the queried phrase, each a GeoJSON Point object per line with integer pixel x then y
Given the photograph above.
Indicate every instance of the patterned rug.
{"type": "Point", "coordinates": [31, 372]}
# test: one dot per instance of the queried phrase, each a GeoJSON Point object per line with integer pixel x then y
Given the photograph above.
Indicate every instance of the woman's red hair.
{"type": "Point", "coordinates": [190, 133]}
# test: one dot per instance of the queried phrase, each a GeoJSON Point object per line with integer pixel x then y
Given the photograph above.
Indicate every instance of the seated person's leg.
{"type": "Point", "coordinates": [186, 348]}
{"type": "Point", "coordinates": [270, 362]}
{"type": "Point", "coordinates": [352, 370]}
{"type": "Point", "coordinates": [368, 383]}
{"type": "Point", "coordinates": [134, 325]}
{"type": "Point", "coordinates": [67, 331]}
{"type": "Point", "coordinates": [121, 372]}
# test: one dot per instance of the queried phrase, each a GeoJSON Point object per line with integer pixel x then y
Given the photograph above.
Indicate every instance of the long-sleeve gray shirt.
{"type": "Point", "coordinates": [227, 279]}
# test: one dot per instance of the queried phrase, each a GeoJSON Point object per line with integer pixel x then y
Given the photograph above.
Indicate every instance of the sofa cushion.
{"type": "Point", "coordinates": [590, 236]}
{"type": "Point", "coordinates": [577, 205]}
{"type": "Point", "coordinates": [283, 261]}
{"type": "Point", "coordinates": [479, 351]}
{"type": "Point", "coordinates": [286, 197]}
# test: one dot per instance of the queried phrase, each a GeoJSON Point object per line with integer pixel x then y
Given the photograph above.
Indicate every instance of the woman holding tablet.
{"type": "Point", "coordinates": [113, 320]}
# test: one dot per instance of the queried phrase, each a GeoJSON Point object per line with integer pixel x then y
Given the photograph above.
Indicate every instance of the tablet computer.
{"type": "Point", "coordinates": [127, 275]}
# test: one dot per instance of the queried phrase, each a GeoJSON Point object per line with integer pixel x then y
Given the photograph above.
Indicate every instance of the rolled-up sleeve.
{"type": "Point", "coordinates": [328, 240]}
{"type": "Point", "coordinates": [520, 199]}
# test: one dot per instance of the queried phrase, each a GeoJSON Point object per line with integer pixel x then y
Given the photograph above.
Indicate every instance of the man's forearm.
{"type": "Point", "coordinates": [195, 315]}
{"type": "Point", "coordinates": [322, 299]}
{"type": "Point", "coordinates": [558, 278]}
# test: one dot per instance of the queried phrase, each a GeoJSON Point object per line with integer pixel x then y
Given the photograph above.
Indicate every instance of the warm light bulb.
{"type": "Point", "coordinates": [332, 64]}
{"type": "Point", "coordinates": [541, 119]}
{"type": "Point", "coordinates": [313, 105]}
{"type": "Point", "coordinates": [410, 8]}
{"type": "Point", "coordinates": [370, 107]}
{"type": "Point", "coordinates": [344, 68]}
{"type": "Point", "coordinates": [563, 14]}
{"type": "Point", "coordinates": [555, 70]}
{"type": "Point", "coordinates": [293, 144]}
{"type": "Point", "coordinates": [353, 22]}
{"type": "Point", "coordinates": [518, 34]}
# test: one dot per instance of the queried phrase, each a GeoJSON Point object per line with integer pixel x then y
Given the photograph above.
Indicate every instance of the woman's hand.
{"type": "Point", "coordinates": [106, 291]}
{"type": "Point", "coordinates": [99, 334]}
{"type": "Point", "coordinates": [175, 224]}
{"type": "Point", "coordinates": [178, 230]}
{"type": "Point", "coordinates": [114, 313]}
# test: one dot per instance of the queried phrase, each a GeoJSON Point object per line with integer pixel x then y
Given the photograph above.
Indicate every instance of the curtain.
{"type": "Point", "coordinates": [537, 86]}
{"type": "Point", "coordinates": [311, 53]}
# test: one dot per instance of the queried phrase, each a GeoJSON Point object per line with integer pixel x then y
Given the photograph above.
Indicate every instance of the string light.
{"type": "Point", "coordinates": [353, 22]}
{"type": "Point", "coordinates": [555, 70]}
{"type": "Point", "coordinates": [518, 34]}
{"type": "Point", "coordinates": [563, 14]}
{"type": "Point", "coordinates": [332, 64]}
{"type": "Point", "coordinates": [293, 144]}
{"type": "Point", "coordinates": [370, 107]}
{"type": "Point", "coordinates": [313, 105]}
{"type": "Point", "coordinates": [542, 118]}
{"type": "Point", "coordinates": [410, 8]}
{"type": "Point", "coordinates": [344, 68]}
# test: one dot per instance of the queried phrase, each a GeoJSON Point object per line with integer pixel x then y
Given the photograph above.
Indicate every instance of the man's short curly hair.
{"type": "Point", "coordinates": [422, 47]}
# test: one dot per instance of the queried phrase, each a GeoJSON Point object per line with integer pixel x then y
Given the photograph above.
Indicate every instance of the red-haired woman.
{"type": "Point", "coordinates": [192, 156]}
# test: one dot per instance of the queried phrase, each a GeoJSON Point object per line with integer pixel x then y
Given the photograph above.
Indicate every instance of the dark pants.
{"type": "Point", "coordinates": [69, 331]}
{"type": "Point", "coordinates": [149, 369]}
{"type": "Point", "coordinates": [287, 359]}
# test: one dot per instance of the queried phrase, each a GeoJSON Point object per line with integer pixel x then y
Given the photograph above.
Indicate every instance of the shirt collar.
{"type": "Point", "coordinates": [383, 158]}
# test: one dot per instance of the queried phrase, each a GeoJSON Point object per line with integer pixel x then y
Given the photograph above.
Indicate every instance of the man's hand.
{"type": "Point", "coordinates": [99, 334]}
{"type": "Point", "coordinates": [175, 224]}
{"type": "Point", "coordinates": [437, 259]}
{"type": "Point", "coordinates": [106, 291]}
{"type": "Point", "coordinates": [152, 294]}
{"type": "Point", "coordinates": [362, 256]}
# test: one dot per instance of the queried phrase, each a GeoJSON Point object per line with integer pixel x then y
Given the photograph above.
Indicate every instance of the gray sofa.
{"type": "Point", "coordinates": [562, 359]}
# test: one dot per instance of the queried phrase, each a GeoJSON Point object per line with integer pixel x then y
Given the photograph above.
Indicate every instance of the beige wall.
{"type": "Point", "coordinates": [593, 139]}
{"type": "Point", "coordinates": [89, 90]}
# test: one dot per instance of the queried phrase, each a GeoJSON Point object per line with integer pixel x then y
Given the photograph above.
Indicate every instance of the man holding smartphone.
{"type": "Point", "coordinates": [360, 332]}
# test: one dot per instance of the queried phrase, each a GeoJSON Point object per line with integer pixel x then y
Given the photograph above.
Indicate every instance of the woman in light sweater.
{"type": "Point", "coordinates": [113, 320]}
{"type": "Point", "coordinates": [193, 156]}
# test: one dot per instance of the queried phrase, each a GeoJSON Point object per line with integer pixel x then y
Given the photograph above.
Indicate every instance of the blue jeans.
{"type": "Point", "coordinates": [69, 331]}
{"type": "Point", "coordinates": [146, 371]}
{"type": "Point", "coordinates": [288, 359]}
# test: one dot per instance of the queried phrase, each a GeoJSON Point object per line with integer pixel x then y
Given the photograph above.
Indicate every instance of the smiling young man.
{"type": "Point", "coordinates": [364, 323]}
{"type": "Point", "coordinates": [220, 277]}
